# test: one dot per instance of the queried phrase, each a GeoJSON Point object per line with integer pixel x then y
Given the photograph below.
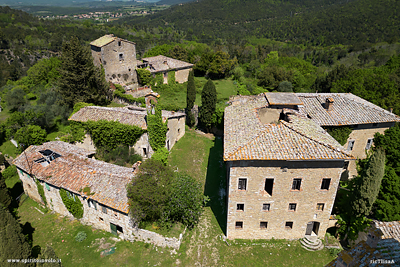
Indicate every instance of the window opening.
{"type": "Point", "coordinates": [104, 209]}
{"type": "Point", "coordinates": [266, 206]}
{"type": "Point", "coordinates": [119, 229]}
{"type": "Point", "coordinates": [119, 43]}
{"type": "Point", "coordinates": [296, 184]}
{"type": "Point", "coordinates": [239, 225]}
{"type": "Point", "coordinates": [292, 206]}
{"type": "Point", "coordinates": [240, 207]}
{"type": "Point", "coordinates": [351, 145]}
{"type": "Point", "coordinates": [289, 225]}
{"type": "Point", "coordinates": [121, 56]}
{"type": "Point", "coordinates": [269, 184]}
{"type": "Point", "coordinates": [263, 225]}
{"type": "Point", "coordinates": [320, 206]}
{"type": "Point", "coordinates": [325, 183]}
{"type": "Point", "coordinates": [369, 143]}
{"type": "Point", "coordinates": [242, 183]}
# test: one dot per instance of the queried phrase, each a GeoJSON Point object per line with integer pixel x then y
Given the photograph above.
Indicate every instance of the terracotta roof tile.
{"type": "Point", "coordinates": [163, 63]}
{"type": "Point", "coordinates": [74, 170]}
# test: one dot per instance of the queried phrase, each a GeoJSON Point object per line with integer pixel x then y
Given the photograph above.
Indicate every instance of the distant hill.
{"type": "Point", "coordinates": [316, 22]}
{"type": "Point", "coordinates": [173, 2]}
{"type": "Point", "coordinates": [69, 3]}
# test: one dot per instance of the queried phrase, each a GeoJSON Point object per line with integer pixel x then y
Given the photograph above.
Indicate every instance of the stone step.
{"type": "Point", "coordinates": [311, 238]}
{"type": "Point", "coordinates": [306, 241]}
{"type": "Point", "coordinates": [313, 249]}
{"type": "Point", "coordinates": [313, 246]}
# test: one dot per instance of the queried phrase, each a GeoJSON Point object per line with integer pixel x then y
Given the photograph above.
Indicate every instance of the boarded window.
{"type": "Point", "coordinates": [242, 184]}
{"type": "Point", "coordinates": [296, 184]}
{"type": "Point", "coordinates": [369, 143]}
{"type": "Point", "coordinates": [269, 184]}
{"type": "Point", "coordinates": [320, 206]}
{"type": "Point", "coordinates": [263, 225]}
{"type": "Point", "coordinates": [239, 225]}
{"type": "Point", "coordinates": [292, 206]}
{"type": "Point", "coordinates": [289, 225]}
{"type": "Point", "coordinates": [240, 207]}
{"type": "Point", "coordinates": [266, 206]}
{"type": "Point", "coordinates": [104, 209]}
{"type": "Point", "coordinates": [325, 183]}
{"type": "Point", "coordinates": [351, 145]}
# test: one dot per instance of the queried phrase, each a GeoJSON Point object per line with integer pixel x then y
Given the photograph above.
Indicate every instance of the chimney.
{"type": "Point", "coordinates": [329, 103]}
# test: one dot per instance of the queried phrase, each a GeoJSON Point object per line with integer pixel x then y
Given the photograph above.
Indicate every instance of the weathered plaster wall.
{"type": "Point", "coordinates": [360, 135]}
{"type": "Point", "coordinates": [142, 146]}
{"type": "Point", "coordinates": [181, 76]}
{"type": "Point", "coordinates": [176, 129]}
{"type": "Point", "coordinates": [87, 143]}
{"type": "Point", "coordinates": [283, 173]}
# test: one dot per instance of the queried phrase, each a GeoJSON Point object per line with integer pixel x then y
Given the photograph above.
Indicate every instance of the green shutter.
{"type": "Point", "coordinates": [47, 186]}
{"type": "Point", "coordinates": [113, 229]}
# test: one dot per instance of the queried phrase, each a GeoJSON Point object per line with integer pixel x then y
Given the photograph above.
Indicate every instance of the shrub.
{"type": "Point", "coordinates": [31, 96]}
{"type": "Point", "coordinates": [72, 203]}
{"type": "Point", "coordinates": [80, 236]}
{"type": "Point", "coordinates": [9, 172]}
{"type": "Point", "coordinates": [161, 155]}
{"type": "Point", "coordinates": [41, 191]}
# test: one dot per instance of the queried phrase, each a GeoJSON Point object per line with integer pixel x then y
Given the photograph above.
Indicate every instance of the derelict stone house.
{"type": "Point", "coordinates": [58, 165]}
{"type": "Point", "coordinates": [61, 165]}
{"type": "Point", "coordinates": [132, 116]}
{"type": "Point", "coordinates": [118, 58]}
{"type": "Point", "coordinates": [164, 65]}
{"type": "Point", "coordinates": [336, 110]}
{"type": "Point", "coordinates": [283, 169]}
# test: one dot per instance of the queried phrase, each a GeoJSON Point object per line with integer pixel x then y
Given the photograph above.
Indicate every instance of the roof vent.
{"type": "Point", "coordinates": [329, 103]}
{"type": "Point", "coordinates": [48, 156]}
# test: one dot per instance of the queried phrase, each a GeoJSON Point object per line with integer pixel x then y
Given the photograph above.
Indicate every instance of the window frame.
{"type": "Point", "coordinates": [267, 205]}
{"type": "Point", "coordinates": [238, 208]}
{"type": "Point", "coordinates": [289, 225]}
{"type": "Point", "coordinates": [291, 205]}
{"type": "Point", "coordinates": [295, 182]}
{"type": "Point", "coordinates": [370, 141]}
{"type": "Point", "coordinates": [239, 225]}
{"type": "Point", "coordinates": [324, 183]}
{"type": "Point", "coordinates": [245, 184]}
{"type": "Point", "coordinates": [263, 223]}
{"type": "Point", "coordinates": [350, 145]}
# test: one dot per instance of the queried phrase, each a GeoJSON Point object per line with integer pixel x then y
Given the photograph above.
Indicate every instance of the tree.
{"type": "Point", "coordinates": [80, 80]}
{"type": "Point", "coordinates": [15, 98]}
{"type": "Point", "coordinates": [208, 104]}
{"type": "Point", "coordinates": [13, 244]}
{"type": "Point", "coordinates": [285, 86]}
{"type": "Point", "coordinates": [157, 129]}
{"type": "Point", "coordinates": [144, 76]}
{"type": "Point", "coordinates": [149, 191]}
{"type": "Point", "coordinates": [31, 135]}
{"type": "Point", "coordinates": [367, 188]}
{"type": "Point", "coordinates": [190, 92]}
{"type": "Point", "coordinates": [5, 198]}
{"type": "Point", "coordinates": [48, 253]}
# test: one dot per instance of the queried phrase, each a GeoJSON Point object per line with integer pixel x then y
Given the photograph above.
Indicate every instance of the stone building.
{"type": "Point", "coordinates": [283, 169]}
{"type": "Point", "coordinates": [164, 65]}
{"type": "Point", "coordinates": [345, 109]}
{"type": "Point", "coordinates": [58, 165]}
{"type": "Point", "coordinates": [118, 58]}
{"type": "Point", "coordinates": [132, 116]}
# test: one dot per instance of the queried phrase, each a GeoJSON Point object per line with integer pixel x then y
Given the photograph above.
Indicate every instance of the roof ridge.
{"type": "Point", "coordinates": [314, 140]}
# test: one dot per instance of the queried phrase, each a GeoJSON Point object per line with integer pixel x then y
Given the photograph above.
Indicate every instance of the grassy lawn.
{"type": "Point", "coordinates": [199, 155]}
{"type": "Point", "coordinates": [7, 148]}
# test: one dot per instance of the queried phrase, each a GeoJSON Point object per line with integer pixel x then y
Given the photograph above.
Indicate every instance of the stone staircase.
{"type": "Point", "coordinates": [311, 243]}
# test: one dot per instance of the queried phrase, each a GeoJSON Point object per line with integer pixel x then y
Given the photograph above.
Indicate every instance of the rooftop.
{"type": "Point", "coordinates": [283, 99]}
{"type": "Point", "coordinates": [106, 39]}
{"type": "Point", "coordinates": [73, 171]}
{"type": "Point", "coordinates": [246, 137]}
{"type": "Point", "coordinates": [163, 63]}
{"type": "Point", "coordinates": [346, 109]}
{"type": "Point", "coordinates": [125, 115]}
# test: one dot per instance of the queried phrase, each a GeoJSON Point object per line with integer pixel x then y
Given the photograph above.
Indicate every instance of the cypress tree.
{"type": "Point", "coordinates": [208, 104]}
{"type": "Point", "coordinates": [80, 80]}
{"type": "Point", "coordinates": [367, 188]}
{"type": "Point", "coordinates": [48, 253]}
{"type": "Point", "coordinates": [13, 244]}
{"type": "Point", "coordinates": [191, 92]}
{"type": "Point", "coordinates": [5, 197]}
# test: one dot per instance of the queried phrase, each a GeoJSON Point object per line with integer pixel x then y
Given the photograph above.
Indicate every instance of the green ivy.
{"type": "Point", "coordinates": [110, 134]}
{"type": "Point", "coordinates": [80, 105]}
{"type": "Point", "coordinates": [130, 98]}
{"type": "Point", "coordinates": [171, 77]}
{"type": "Point", "coordinates": [144, 76]}
{"type": "Point", "coordinates": [157, 129]}
{"type": "Point", "coordinates": [41, 191]}
{"type": "Point", "coordinates": [74, 206]}
{"type": "Point", "coordinates": [341, 134]}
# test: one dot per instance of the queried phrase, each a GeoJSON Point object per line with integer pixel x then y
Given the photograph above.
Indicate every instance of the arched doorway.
{"type": "Point", "coordinates": [312, 228]}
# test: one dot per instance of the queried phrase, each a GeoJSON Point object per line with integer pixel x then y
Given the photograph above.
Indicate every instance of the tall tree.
{"type": "Point", "coordinates": [157, 129]}
{"type": "Point", "coordinates": [13, 244]}
{"type": "Point", "coordinates": [48, 253]}
{"type": "Point", "coordinates": [5, 198]}
{"type": "Point", "coordinates": [80, 80]}
{"type": "Point", "coordinates": [208, 104]}
{"type": "Point", "coordinates": [191, 91]}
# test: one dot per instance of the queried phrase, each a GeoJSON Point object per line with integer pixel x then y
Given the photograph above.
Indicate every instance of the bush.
{"type": "Point", "coordinates": [80, 236]}
{"type": "Point", "coordinates": [31, 96]}
{"type": "Point", "coordinates": [161, 155]}
{"type": "Point", "coordinates": [10, 172]}
{"type": "Point", "coordinates": [119, 156]}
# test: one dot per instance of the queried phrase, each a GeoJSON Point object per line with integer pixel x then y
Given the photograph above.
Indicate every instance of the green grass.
{"type": "Point", "coordinates": [7, 148]}
{"type": "Point", "coordinates": [199, 155]}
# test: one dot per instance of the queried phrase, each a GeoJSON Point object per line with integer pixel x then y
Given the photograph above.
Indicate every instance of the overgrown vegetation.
{"type": "Point", "coordinates": [157, 129]}
{"type": "Point", "coordinates": [121, 155]}
{"type": "Point", "coordinates": [41, 191]}
{"type": "Point", "coordinates": [72, 203]}
{"type": "Point", "coordinates": [341, 134]}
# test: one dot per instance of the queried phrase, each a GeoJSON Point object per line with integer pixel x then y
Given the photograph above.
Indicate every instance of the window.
{"type": "Point", "coordinates": [289, 225]}
{"type": "Point", "coordinates": [239, 225]}
{"type": "Point", "coordinates": [104, 209]}
{"type": "Point", "coordinates": [325, 183]}
{"type": "Point", "coordinates": [121, 56]}
{"type": "Point", "coordinates": [320, 206]}
{"type": "Point", "coordinates": [369, 143]}
{"type": "Point", "coordinates": [292, 206]}
{"type": "Point", "coordinates": [263, 225]}
{"type": "Point", "coordinates": [240, 207]}
{"type": "Point", "coordinates": [242, 184]}
{"type": "Point", "coordinates": [101, 219]}
{"type": "Point", "coordinates": [351, 145]}
{"type": "Point", "coordinates": [119, 43]}
{"type": "Point", "coordinates": [144, 151]}
{"type": "Point", "coordinates": [119, 229]}
{"type": "Point", "coordinates": [346, 165]}
{"type": "Point", "coordinates": [269, 184]}
{"type": "Point", "coordinates": [93, 204]}
{"type": "Point", "coordinates": [266, 206]}
{"type": "Point", "coordinates": [296, 184]}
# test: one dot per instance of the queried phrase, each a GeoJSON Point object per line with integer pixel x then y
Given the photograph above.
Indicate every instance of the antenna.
{"type": "Point", "coordinates": [27, 161]}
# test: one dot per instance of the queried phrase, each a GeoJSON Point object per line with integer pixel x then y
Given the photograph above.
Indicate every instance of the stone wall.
{"type": "Point", "coordinates": [360, 136]}
{"type": "Point", "coordinates": [97, 215]}
{"type": "Point", "coordinates": [87, 143]}
{"type": "Point", "coordinates": [283, 173]}
{"type": "Point", "coordinates": [176, 129]}
{"type": "Point", "coordinates": [119, 61]}
{"type": "Point", "coordinates": [181, 76]}
{"type": "Point", "coordinates": [142, 146]}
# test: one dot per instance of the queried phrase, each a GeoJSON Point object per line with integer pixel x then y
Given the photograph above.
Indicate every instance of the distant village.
{"type": "Point", "coordinates": [98, 15]}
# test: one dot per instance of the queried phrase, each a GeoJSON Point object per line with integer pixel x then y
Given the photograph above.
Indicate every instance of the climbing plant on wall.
{"type": "Point", "coordinates": [41, 191]}
{"type": "Point", "coordinates": [73, 204]}
{"type": "Point", "coordinates": [110, 134]}
{"type": "Point", "coordinates": [157, 129]}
